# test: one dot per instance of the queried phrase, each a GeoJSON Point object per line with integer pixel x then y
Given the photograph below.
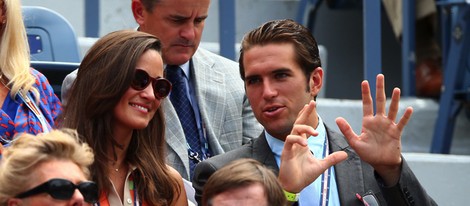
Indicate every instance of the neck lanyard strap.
{"type": "Point", "coordinates": [194, 154]}
{"type": "Point", "coordinates": [134, 195]}
{"type": "Point", "coordinates": [35, 109]}
{"type": "Point", "coordinates": [325, 180]}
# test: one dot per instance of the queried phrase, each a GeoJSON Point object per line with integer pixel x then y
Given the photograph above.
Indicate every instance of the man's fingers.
{"type": "Point", "coordinates": [299, 135]}
{"type": "Point", "coordinates": [295, 139]}
{"type": "Point", "coordinates": [406, 117]}
{"type": "Point", "coordinates": [367, 104]}
{"type": "Point", "coordinates": [393, 110]}
{"type": "Point", "coordinates": [380, 97]}
{"type": "Point", "coordinates": [345, 128]}
{"type": "Point", "coordinates": [300, 129]}
{"type": "Point", "coordinates": [305, 115]}
{"type": "Point", "coordinates": [335, 158]}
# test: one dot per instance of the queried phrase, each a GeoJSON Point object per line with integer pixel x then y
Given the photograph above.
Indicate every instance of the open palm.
{"type": "Point", "coordinates": [379, 143]}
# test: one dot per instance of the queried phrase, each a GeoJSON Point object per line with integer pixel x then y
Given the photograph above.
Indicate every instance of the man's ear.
{"type": "Point", "coordinates": [138, 11]}
{"type": "Point", "coordinates": [316, 81]}
{"type": "Point", "coordinates": [14, 202]}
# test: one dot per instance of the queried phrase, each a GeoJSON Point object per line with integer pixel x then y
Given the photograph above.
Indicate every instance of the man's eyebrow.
{"type": "Point", "coordinates": [202, 17]}
{"type": "Point", "coordinates": [178, 16]}
{"type": "Point", "coordinates": [252, 76]}
{"type": "Point", "coordinates": [276, 71]}
{"type": "Point", "coordinates": [282, 70]}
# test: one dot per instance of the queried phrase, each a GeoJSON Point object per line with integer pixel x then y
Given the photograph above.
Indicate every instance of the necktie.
{"type": "Point", "coordinates": [182, 105]}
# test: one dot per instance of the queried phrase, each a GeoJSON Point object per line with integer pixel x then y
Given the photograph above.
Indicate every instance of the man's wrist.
{"type": "Point", "coordinates": [390, 175]}
{"type": "Point", "coordinates": [291, 197]}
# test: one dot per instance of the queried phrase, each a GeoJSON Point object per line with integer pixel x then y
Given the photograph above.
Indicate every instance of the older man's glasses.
{"type": "Point", "coordinates": [63, 189]}
{"type": "Point", "coordinates": [161, 86]}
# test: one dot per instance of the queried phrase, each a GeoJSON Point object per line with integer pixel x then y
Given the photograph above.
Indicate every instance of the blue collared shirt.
{"type": "Point", "coordinates": [312, 193]}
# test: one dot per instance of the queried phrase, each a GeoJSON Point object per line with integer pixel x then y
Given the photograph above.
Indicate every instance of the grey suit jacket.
{"type": "Point", "coordinates": [225, 111]}
{"type": "Point", "coordinates": [352, 175]}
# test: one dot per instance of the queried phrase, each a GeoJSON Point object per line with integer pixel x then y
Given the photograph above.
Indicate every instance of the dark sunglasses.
{"type": "Point", "coordinates": [161, 86]}
{"type": "Point", "coordinates": [62, 189]}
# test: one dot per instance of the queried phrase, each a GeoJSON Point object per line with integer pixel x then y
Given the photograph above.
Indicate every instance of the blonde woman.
{"type": "Point", "coordinates": [48, 169]}
{"type": "Point", "coordinates": [28, 103]}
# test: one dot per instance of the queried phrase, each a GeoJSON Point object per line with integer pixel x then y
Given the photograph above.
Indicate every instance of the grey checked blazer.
{"type": "Point", "coordinates": [225, 111]}
{"type": "Point", "coordinates": [352, 175]}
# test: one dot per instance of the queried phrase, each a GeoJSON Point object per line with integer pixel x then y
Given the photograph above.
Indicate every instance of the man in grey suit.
{"type": "Point", "coordinates": [223, 115]}
{"type": "Point", "coordinates": [280, 65]}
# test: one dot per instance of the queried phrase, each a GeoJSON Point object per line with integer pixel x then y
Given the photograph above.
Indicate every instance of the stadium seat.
{"type": "Point", "coordinates": [51, 37]}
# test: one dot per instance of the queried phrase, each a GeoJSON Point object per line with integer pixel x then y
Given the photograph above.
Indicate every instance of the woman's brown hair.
{"type": "Point", "coordinates": [104, 76]}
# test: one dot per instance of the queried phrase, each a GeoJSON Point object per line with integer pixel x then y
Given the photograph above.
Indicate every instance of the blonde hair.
{"type": "Point", "coordinates": [21, 159]}
{"type": "Point", "coordinates": [14, 51]}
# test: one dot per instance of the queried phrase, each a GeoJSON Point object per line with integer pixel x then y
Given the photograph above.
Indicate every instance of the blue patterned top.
{"type": "Point", "coordinates": [16, 117]}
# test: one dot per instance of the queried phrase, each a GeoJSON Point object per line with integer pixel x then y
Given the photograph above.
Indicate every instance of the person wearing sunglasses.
{"type": "Point", "coordinates": [115, 106]}
{"type": "Point", "coordinates": [47, 169]}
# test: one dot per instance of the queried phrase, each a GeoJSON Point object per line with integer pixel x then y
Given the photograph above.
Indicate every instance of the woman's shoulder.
{"type": "Point", "coordinates": [38, 75]}
{"type": "Point", "coordinates": [173, 172]}
{"type": "Point", "coordinates": [45, 89]}
{"type": "Point", "coordinates": [182, 198]}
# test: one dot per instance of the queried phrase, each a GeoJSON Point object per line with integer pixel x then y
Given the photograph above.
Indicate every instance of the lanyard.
{"type": "Point", "coordinates": [194, 154]}
{"type": "Point", "coordinates": [35, 109]}
{"type": "Point", "coordinates": [325, 180]}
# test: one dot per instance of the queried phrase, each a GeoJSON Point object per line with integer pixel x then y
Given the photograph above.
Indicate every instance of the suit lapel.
{"type": "Point", "coordinates": [174, 136]}
{"type": "Point", "coordinates": [210, 92]}
{"type": "Point", "coordinates": [263, 153]}
{"type": "Point", "coordinates": [349, 177]}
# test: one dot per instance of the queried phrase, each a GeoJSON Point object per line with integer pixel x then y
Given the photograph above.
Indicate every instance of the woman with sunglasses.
{"type": "Point", "coordinates": [48, 169]}
{"type": "Point", "coordinates": [114, 104]}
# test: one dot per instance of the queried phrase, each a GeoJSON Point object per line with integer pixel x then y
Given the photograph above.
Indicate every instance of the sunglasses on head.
{"type": "Point", "coordinates": [62, 189]}
{"type": "Point", "coordinates": [161, 86]}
